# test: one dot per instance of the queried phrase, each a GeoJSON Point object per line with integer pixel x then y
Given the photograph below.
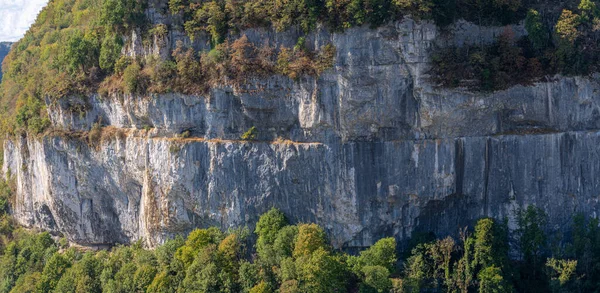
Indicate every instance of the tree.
{"type": "Point", "coordinates": [463, 269]}
{"type": "Point", "coordinates": [269, 225]}
{"type": "Point", "coordinates": [284, 243]}
{"type": "Point", "coordinates": [535, 29]}
{"type": "Point", "coordinates": [110, 51]}
{"type": "Point", "coordinates": [113, 13]}
{"type": "Point", "coordinates": [230, 250]}
{"type": "Point", "coordinates": [204, 273]}
{"type": "Point", "coordinates": [79, 52]}
{"type": "Point", "coordinates": [320, 272]}
{"type": "Point", "coordinates": [82, 277]}
{"type": "Point", "coordinates": [118, 15]}
{"type": "Point", "coordinates": [132, 76]}
{"type": "Point", "coordinates": [248, 275]}
{"type": "Point", "coordinates": [213, 16]}
{"type": "Point", "coordinates": [310, 238]}
{"type": "Point", "coordinates": [53, 271]}
{"type": "Point", "coordinates": [164, 282]}
{"type": "Point", "coordinates": [143, 277]}
{"type": "Point", "coordinates": [491, 244]}
{"type": "Point", "coordinates": [491, 281]}
{"type": "Point", "coordinates": [566, 27]}
{"type": "Point", "coordinates": [417, 269]}
{"type": "Point", "coordinates": [589, 10]}
{"type": "Point", "coordinates": [530, 234]}
{"type": "Point", "coordinates": [176, 6]}
{"type": "Point", "coordinates": [562, 271]}
{"type": "Point", "coordinates": [441, 253]}
{"type": "Point", "coordinates": [382, 253]}
{"type": "Point", "coordinates": [262, 287]}
{"type": "Point", "coordinates": [376, 279]}
{"type": "Point", "coordinates": [197, 241]}
{"type": "Point", "coordinates": [290, 286]}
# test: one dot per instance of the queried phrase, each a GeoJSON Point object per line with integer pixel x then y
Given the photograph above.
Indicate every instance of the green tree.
{"type": "Point", "coordinates": [262, 287]}
{"type": "Point", "coordinates": [164, 282]}
{"type": "Point", "coordinates": [562, 272]}
{"type": "Point", "coordinates": [196, 241]}
{"type": "Point", "coordinates": [82, 277]}
{"type": "Point", "coordinates": [53, 271]}
{"type": "Point", "coordinates": [463, 274]}
{"type": "Point", "coordinates": [320, 272]}
{"type": "Point", "coordinates": [213, 16]}
{"type": "Point", "coordinates": [143, 277]}
{"type": "Point", "coordinates": [132, 78]}
{"type": "Point", "coordinates": [110, 51]}
{"type": "Point", "coordinates": [79, 52]}
{"type": "Point", "coordinates": [284, 242]}
{"type": "Point", "coordinates": [491, 244]}
{"type": "Point", "coordinates": [492, 281]}
{"type": "Point", "coordinates": [531, 236]}
{"type": "Point", "coordinates": [382, 253]}
{"type": "Point", "coordinates": [417, 269]}
{"type": "Point", "coordinates": [589, 10]}
{"type": "Point", "coordinates": [536, 32]}
{"type": "Point", "coordinates": [269, 225]}
{"type": "Point", "coordinates": [122, 14]}
{"type": "Point", "coordinates": [376, 279]}
{"type": "Point", "coordinates": [310, 238]}
{"type": "Point", "coordinates": [248, 275]}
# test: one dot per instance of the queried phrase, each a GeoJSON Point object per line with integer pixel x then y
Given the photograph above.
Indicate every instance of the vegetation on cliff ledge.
{"type": "Point", "coordinates": [76, 47]}
{"type": "Point", "coordinates": [559, 41]}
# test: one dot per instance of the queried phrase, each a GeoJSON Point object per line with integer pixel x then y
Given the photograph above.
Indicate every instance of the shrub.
{"type": "Point", "coordinates": [174, 148]}
{"type": "Point", "coordinates": [132, 78]}
{"type": "Point", "coordinates": [250, 134]}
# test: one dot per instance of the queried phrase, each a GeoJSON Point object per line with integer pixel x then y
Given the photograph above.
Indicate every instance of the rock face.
{"type": "Point", "coordinates": [369, 149]}
{"type": "Point", "coordinates": [4, 49]}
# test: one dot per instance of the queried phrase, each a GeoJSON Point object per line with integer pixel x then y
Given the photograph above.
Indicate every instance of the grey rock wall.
{"type": "Point", "coordinates": [370, 149]}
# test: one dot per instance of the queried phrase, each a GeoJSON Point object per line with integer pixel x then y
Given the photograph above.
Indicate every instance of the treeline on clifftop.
{"type": "Point", "coordinates": [287, 258]}
{"type": "Point", "coordinates": [75, 46]}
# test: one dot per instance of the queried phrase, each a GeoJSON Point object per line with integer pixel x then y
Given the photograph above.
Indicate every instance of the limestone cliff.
{"type": "Point", "coordinates": [371, 148]}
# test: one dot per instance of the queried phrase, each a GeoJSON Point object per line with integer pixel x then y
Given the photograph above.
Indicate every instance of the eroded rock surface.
{"type": "Point", "coordinates": [370, 149]}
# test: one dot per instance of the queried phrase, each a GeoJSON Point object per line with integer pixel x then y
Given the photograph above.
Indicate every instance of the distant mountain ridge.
{"type": "Point", "coordinates": [4, 49]}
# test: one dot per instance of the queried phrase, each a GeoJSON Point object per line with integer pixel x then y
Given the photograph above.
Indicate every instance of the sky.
{"type": "Point", "coordinates": [16, 16]}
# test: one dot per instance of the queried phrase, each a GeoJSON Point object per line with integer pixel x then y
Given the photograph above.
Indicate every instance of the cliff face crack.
{"type": "Point", "coordinates": [459, 166]}
{"type": "Point", "coordinates": [486, 175]}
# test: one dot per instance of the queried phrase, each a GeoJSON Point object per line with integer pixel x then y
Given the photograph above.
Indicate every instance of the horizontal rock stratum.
{"type": "Point", "coordinates": [369, 149]}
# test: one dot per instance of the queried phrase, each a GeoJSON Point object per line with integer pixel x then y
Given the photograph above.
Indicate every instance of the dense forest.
{"type": "Point", "coordinates": [285, 258]}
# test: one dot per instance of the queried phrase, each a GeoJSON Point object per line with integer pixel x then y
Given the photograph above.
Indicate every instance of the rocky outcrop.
{"type": "Point", "coordinates": [369, 149]}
